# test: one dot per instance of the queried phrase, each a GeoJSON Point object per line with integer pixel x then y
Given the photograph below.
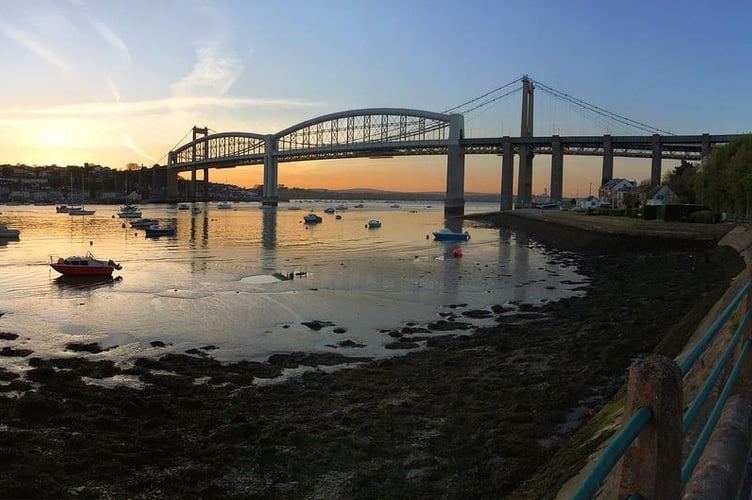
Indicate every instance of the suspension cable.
{"type": "Point", "coordinates": [482, 96]}
{"type": "Point", "coordinates": [176, 145]}
{"type": "Point", "coordinates": [598, 110]}
{"type": "Point", "coordinates": [493, 100]}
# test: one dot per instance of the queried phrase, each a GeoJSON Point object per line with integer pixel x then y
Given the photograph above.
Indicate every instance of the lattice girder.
{"type": "Point", "coordinates": [224, 146]}
{"type": "Point", "coordinates": [360, 128]}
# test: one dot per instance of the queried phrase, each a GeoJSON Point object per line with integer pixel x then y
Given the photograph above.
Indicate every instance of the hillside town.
{"type": "Point", "coordinates": [24, 184]}
{"type": "Point", "coordinates": [92, 183]}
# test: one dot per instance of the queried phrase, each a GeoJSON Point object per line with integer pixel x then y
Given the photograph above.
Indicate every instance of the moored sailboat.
{"type": "Point", "coordinates": [82, 210]}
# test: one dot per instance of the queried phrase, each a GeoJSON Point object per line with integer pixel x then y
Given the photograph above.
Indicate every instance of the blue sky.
{"type": "Point", "coordinates": [114, 82]}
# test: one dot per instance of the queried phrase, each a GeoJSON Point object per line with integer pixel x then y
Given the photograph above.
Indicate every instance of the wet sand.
{"type": "Point", "coordinates": [472, 416]}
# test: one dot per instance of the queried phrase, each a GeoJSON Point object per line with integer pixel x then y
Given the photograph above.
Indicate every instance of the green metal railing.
{"type": "Point", "coordinates": [643, 415]}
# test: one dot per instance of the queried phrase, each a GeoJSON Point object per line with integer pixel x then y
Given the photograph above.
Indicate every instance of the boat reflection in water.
{"type": "Point", "coordinates": [85, 282]}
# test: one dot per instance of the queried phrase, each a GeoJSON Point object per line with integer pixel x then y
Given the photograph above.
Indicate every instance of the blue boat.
{"type": "Point", "coordinates": [156, 231]}
{"type": "Point", "coordinates": [329, 210]}
{"type": "Point", "coordinates": [373, 224]}
{"type": "Point", "coordinates": [446, 234]}
{"type": "Point", "coordinates": [312, 219]}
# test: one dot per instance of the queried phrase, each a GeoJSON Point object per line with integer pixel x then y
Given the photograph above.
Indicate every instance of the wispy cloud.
{"type": "Point", "coordinates": [162, 105]}
{"type": "Point", "coordinates": [213, 73]}
{"type": "Point", "coordinates": [35, 45]}
{"type": "Point", "coordinates": [113, 89]}
{"type": "Point", "coordinates": [128, 141]}
{"type": "Point", "coordinates": [110, 37]}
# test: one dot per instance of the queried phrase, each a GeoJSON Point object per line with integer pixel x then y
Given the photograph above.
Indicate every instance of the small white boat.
{"type": "Point", "coordinates": [80, 211]}
{"type": "Point", "coordinates": [395, 206]}
{"type": "Point", "coordinates": [341, 207]}
{"type": "Point", "coordinates": [8, 233]}
{"type": "Point", "coordinates": [373, 224]}
{"type": "Point", "coordinates": [129, 212]}
{"type": "Point", "coordinates": [224, 205]}
{"type": "Point", "coordinates": [312, 219]}
{"type": "Point", "coordinates": [293, 207]}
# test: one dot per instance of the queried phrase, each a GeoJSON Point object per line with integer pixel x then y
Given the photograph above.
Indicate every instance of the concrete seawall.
{"type": "Point", "coordinates": [722, 468]}
{"type": "Point", "coordinates": [720, 473]}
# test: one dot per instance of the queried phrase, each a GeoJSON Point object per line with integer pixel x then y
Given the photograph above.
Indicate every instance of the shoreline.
{"type": "Point", "coordinates": [471, 416]}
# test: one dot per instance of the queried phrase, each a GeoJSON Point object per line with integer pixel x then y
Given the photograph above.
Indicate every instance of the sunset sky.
{"type": "Point", "coordinates": [113, 82]}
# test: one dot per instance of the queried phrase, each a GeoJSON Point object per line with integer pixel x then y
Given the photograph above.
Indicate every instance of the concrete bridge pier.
{"type": "Point", "coordinates": [172, 179]}
{"type": "Point", "coordinates": [608, 160]}
{"type": "Point", "coordinates": [705, 144]}
{"type": "Point", "coordinates": [270, 195]}
{"type": "Point", "coordinates": [199, 131]}
{"type": "Point", "coordinates": [507, 173]}
{"type": "Point", "coordinates": [525, 177]}
{"type": "Point", "coordinates": [454, 200]}
{"type": "Point", "coordinates": [194, 191]}
{"type": "Point", "coordinates": [655, 170]}
{"type": "Point", "coordinates": [205, 185]}
{"type": "Point", "coordinates": [557, 169]}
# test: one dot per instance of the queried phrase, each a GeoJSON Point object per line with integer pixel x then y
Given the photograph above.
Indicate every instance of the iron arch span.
{"type": "Point", "coordinates": [360, 133]}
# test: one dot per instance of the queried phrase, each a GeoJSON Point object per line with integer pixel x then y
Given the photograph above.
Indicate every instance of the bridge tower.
{"type": "Point", "coordinates": [525, 174]}
{"type": "Point", "coordinates": [270, 193]}
{"type": "Point", "coordinates": [172, 179]}
{"type": "Point", "coordinates": [203, 154]}
{"type": "Point", "coordinates": [454, 200]}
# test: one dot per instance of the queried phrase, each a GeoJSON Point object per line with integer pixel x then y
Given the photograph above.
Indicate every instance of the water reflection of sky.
{"type": "Point", "coordinates": [212, 282]}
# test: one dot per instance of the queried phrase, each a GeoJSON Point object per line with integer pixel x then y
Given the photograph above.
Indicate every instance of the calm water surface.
{"type": "Point", "coordinates": [213, 283]}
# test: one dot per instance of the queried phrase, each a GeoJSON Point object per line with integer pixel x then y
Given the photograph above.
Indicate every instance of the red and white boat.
{"type": "Point", "coordinates": [83, 266]}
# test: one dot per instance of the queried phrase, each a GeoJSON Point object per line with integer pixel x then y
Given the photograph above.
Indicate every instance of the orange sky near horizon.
{"type": "Point", "coordinates": [582, 175]}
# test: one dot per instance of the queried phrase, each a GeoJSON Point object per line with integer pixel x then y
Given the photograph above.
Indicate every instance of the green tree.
{"type": "Point", "coordinates": [721, 183]}
{"type": "Point", "coordinates": [681, 180]}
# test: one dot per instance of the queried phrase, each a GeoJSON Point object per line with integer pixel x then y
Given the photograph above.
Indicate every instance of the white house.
{"type": "Point", "coordinates": [609, 192]}
{"type": "Point", "coordinates": [658, 195]}
{"type": "Point", "coordinates": [590, 202]}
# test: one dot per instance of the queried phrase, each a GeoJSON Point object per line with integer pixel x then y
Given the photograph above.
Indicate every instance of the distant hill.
{"type": "Point", "coordinates": [376, 194]}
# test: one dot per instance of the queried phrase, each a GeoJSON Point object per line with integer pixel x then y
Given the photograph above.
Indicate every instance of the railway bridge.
{"type": "Point", "coordinates": [389, 132]}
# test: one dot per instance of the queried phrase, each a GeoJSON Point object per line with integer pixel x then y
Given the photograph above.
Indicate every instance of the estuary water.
{"type": "Point", "coordinates": [217, 281]}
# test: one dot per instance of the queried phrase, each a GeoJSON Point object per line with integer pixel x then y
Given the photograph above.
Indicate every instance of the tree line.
{"type": "Point", "coordinates": [723, 182]}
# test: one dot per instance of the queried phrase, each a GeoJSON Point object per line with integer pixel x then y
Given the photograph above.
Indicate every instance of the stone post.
{"type": "Point", "coordinates": [651, 467]}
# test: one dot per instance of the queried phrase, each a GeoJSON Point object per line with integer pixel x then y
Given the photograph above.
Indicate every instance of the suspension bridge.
{"type": "Point", "coordinates": [389, 132]}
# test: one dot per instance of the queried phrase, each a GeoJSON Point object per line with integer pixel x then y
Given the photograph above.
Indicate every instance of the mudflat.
{"type": "Point", "coordinates": [472, 416]}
